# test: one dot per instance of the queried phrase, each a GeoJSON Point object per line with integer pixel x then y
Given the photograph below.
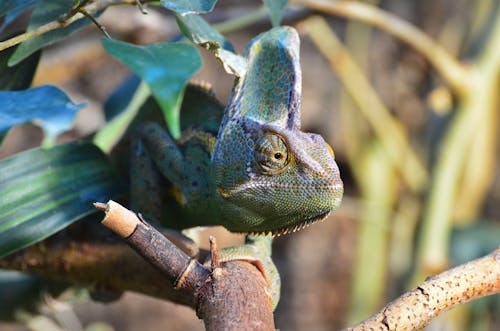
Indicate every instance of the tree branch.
{"type": "Point", "coordinates": [230, 296]}
{"type": "Point", "coordinates": [416, 308]}
{"type": "Point", "coordinates": [103, 263]}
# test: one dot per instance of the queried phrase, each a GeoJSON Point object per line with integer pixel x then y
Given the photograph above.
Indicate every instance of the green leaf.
{"type": "Point", "coordinates": [109, 135]}
{"type": "Point", "coordinates": [18, 77]}
{"type": "Point", "coordinates": [45, 190]}
{"type": "Point", "coordinates": [196, 29]}
{"type": "Point", "coordinates": [46, 11]}
{"type": "Point", "coordinates": [46, 106]}
{"type": "Point", "coordinates": [12, 9]}
{"type": "Point", "coordinates": [275, 8]}
{"type": "Point", "coordinates": [189, 6]}
{"type": "Point", "coordinates": [165, 67]}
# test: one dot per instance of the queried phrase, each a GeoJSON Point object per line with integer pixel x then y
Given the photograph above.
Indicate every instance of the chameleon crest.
{"type": "Point", "coordinates": [271, 176]}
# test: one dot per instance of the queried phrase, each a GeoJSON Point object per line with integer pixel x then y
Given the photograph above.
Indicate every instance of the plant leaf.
{"type": "Point", "coordinates": [45, 190]}
{"type": "Point", "coordinates": [12, 9]}
{"type": "Point", "coordinates": [189, 6]}
{"type": "Point", "coordinates": [20, 76]}
{"type": "Point", "coordinates": [109, 135]}
{"type": "Point", "coordinates": [275, 8]}
{"type": "Point", "coordinates": [196, 29]}
{"type": "Point", "coordinates": [165, 67]}
{"type": "Point", "coordinates": [121, 97]}
{"type": "Point", "coordinates": [46, 106]}
{"type": "Point", "coordinates": [46, 11]}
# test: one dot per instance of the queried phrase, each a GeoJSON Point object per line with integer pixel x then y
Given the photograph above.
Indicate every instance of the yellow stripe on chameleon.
{"type": "Point", "coordinates": [330, 149]}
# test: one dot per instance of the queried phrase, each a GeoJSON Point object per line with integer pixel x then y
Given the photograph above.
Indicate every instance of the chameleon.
{"type": "Point", "coordinates": [248, 166]}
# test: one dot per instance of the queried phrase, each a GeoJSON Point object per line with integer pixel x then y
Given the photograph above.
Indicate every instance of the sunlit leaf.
{"type": "Point", "coordinates": [44, 190]}
{"type": "Point", "coordinates": [46, 106]}
{"type": "Point", "coordinates": [275, 8]}
{"type": "Point", "coordinates": [196, 29]}
{"type": "Point", "coordinates": [189, 6]}
{"type": "Point", "coordinates": [165, 67]}
{"type": "Point", "coordinates": [109, 135]}
{"type": "Point", "coordinates": [46, 11]}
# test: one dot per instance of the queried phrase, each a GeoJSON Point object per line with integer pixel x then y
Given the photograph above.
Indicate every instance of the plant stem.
{"type": "Point", "coordinates": [90, 9]}
{"type": "Point", "coordinates": [449, 68]}
{"type": "Point", "coordinates": [390, 131]}
{"type": "Point", "coordinates": [477, 108]}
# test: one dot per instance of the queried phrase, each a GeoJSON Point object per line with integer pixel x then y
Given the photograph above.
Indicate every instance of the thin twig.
{"type": "Point", "coordinates": [90, 9]}
{"type": "Point", "coordinates": [101, 27]}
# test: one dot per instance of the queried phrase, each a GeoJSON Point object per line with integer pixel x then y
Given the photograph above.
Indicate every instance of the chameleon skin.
{"type": "Point", "coordinates": [271, 176]}
{"type": "Point", "coordinates": [261, 174]}
{"type": "Point", "coordinates": [247, 167]}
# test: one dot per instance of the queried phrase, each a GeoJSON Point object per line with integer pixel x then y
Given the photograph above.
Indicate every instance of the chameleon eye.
{"type": "Point", "coordinates": [271, 153]}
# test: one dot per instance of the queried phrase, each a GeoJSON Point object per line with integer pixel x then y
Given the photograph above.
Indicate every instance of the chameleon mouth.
{"type": "Point", "coordinates": [294, 228]}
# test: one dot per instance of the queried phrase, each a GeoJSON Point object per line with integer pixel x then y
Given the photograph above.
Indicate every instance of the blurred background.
{"type": "Point", "coordinates": [417, 151]}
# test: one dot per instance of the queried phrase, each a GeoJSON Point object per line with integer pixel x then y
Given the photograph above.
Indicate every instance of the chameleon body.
{"type": "Point", "coordinates": [249, 168]}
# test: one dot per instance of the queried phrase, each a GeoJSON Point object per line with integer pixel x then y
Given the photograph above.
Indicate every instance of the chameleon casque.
{"type": "Point", "coordinates": [254, 170]}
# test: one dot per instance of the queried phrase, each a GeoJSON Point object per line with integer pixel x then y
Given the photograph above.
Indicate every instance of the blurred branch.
{"type": "Point", "coordinates": [390, 131]}
{"type": "Point", "coordinates": [450, 69]}
{"type": "Point", "coordinates": [103, 263]}
{"type": "Point", "coordinates": [416, 308]}
{"type": "Point", "coordinates": [477, 114]}
{"type": "Point", "coordinates": [378, 184]}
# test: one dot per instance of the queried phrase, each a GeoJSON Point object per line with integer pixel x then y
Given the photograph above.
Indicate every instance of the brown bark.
{"type": "Point", "coordinates": [231, 296]}
{"type": "Point", "coordinates": [416, 308]}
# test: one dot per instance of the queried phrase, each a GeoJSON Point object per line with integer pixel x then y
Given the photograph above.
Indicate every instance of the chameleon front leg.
{"type": "Point", "coordinates": [257, 250]}
{"type": "Point", "coordinates": [154, 157]}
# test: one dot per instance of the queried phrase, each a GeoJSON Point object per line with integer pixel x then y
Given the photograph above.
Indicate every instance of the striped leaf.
{"type": "Point", "coordinates": [44, 190]}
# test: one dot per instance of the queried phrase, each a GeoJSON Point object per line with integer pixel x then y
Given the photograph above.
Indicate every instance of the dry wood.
{"type": "Point", "coordinates": [416, 308]}
{"type": "Point", "coordinates": [230, 296]}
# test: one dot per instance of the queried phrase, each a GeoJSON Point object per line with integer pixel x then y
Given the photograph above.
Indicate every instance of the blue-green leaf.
{"type": "Point", "coordinates": [275, 8]}
{"type": "Point", "coordinates": [165, 67]}
{"type": "Point", "coordinates": [46, 106]}
{"type": "Point", "coordinates": [189, 6]}
{"type": "Point", "coordinates": [46, 11]}
{"type": "Point", "coordinates": [196, 29]}
{"type": "Point", "coordinates": [45, 190]}
{"type": "Point", "coordinates": [9, 6]}
{"type": "Point", "coordinates": [12, 9]}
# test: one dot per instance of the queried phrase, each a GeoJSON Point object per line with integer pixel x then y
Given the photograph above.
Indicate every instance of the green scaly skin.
{"type": "Point", "coordinates": [253, 171]}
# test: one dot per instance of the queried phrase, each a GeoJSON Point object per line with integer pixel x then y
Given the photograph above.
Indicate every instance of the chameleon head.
{"type": "Point", "coordinates": [271, 176]}
{"type": "Point", "coordinates": [291, 181]}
